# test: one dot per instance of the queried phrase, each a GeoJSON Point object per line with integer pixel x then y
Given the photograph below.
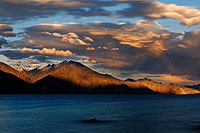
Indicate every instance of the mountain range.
{"type": "Point", "coordinates": [197, 87]}
{"type": "Point", "coordinates": [74, 77]}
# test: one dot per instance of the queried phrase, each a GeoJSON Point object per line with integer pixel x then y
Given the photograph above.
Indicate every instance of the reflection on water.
{"type": "Point", "coordinates": [100, 113]}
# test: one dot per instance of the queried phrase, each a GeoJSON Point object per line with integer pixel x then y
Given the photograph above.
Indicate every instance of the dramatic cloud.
{"type": "Point", "coordinates": [143, 47]}
{"type": "Point", "coordinates": [15, 10]}
{"type": "Point", "coordinates": [144, 34]}
{"type": "Point", "coordinates": [154, 9]}
{"type": "Point", "coordinates": [111, 41]}
{"type": "Point", "coordinates": [46, 51]}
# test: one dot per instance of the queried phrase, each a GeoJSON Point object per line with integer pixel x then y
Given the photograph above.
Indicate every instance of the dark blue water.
{"type": "Point", "coordinates": [116, 113]}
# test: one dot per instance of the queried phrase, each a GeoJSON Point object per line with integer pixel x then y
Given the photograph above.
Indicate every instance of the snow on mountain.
{"type": "Point", "coordinates": [21, 68]}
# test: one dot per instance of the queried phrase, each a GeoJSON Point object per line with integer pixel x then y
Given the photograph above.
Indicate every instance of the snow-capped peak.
{"type": "Point", "coordinates": [21, 68]}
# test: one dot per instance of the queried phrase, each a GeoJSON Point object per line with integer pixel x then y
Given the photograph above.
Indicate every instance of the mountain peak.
{"type": "Point", "coordinates": [129, 79]}
{"type": "Point", "coordinates": [76, 63]}
{"type": "Point", "coordinates": [63, 62]}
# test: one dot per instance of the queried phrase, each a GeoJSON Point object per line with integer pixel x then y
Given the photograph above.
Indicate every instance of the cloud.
{"type": "Point", "coordinates": [88, 39]}
{"type": "Point", "coordinates": [3, 41]}
{"type": "Point", "coordinates": [28, 62]}
{"type": "Point", "coordinates": [15, 10]}
{"type": "Point", "coordinates": [141, 41]}
{"type": "Point", "coordinates": [115, 49]}
{"type": "Point", "coordinates": [112, 64]}
{"type": "Point", "coordinates": [154, 9]}
{"type": "Point", "coordinates": [104, 47]}
{"type": "Point", "coordinates": [191, 38]}
{"type": "Point", "coordinates": [5, 27]}
{"type": "Point", "coordinates": [87, 61]}
{"type": "Point", "coordinates": [90, 48]}
{"type": "Point", "coordinates": [46, 51]}
{"type": "Point", "coordinates": [70, 38]}
{"type": "Point", "coordinates": [146, 34]}
{"type": "Point", "coordinates": [6, 31]}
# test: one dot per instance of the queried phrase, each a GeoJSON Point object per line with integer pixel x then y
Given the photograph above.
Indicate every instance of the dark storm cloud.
{"type": "Point", "coordinates": [95, 11]}
{"type": "Point", "coordinates": [14, 54]}
{"type": "Point", "coordinates": [3, 41]}
{"type": "Point", "coordinates": [20, 10]}
{"type": "Point", "coordinates": [14, 10]}
{"type": "Point", "coordinates": [139, 8]}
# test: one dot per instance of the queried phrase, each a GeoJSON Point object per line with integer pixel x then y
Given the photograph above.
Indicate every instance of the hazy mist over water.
{"type": "Point", "coordinates": [115, 113]}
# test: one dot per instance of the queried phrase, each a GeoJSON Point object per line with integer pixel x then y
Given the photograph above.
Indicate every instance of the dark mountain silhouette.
{"type": "Point", "coordinates": [7, 69]}
{"type": "Point", "coordinates": [74, 77]}
{"type": "Point", "coordinates": [12, 84]}
{"type": "Point", "coordinates": [129, 79]}
{"type": "Point", "coordinates": [197, 87]}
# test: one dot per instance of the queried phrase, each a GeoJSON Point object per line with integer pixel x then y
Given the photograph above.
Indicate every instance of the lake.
{"type": "Point", "coordinates": [114, 113]}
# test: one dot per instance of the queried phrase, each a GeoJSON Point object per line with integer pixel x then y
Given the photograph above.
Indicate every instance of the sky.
{"type": "Point", "coordinates": [157, 39]}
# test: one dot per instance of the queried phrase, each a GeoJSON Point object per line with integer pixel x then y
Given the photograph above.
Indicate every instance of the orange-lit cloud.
{"type": "Point", "coordinates": [105, 47]}
{"type": "Point", "coordinates": [46, 51]}
{"type": "Point", "coordinates": [144, 34]}
{"type": "Point", "coordinates": [71, 38]}
{"type": "Point", "coordinates": [87, 61]}
{"type": "Point", "coordinates": [90, 48]}
{"type": "Point", "coordinates": [115, 49]}
{"type": "Point", "coordinates": [88, 38]}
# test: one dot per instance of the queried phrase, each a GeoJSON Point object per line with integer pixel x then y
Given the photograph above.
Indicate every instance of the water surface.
{"type": "Point", "coordinates": [116, 113]}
